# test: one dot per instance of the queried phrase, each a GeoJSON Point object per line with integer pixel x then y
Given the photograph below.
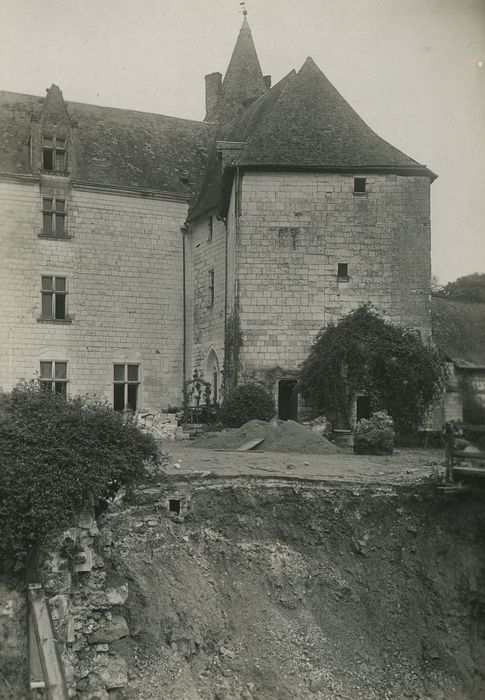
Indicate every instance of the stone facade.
{"type": "Point", "coordinates": [206, 250]}
{"type": "Point", "coordinates": [276, 240]}
{"type": "Point", "coordinates": [122, 261]}
{"type": "Point", "coordinates": [287, 239]}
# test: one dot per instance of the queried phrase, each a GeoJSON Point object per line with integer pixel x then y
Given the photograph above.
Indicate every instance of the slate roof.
{"type": "Point", "coordinates": [15, 114]}
{"type": "Point", "coordinates": [459, 331]}
{"type": "Point", "coordinates": [243, 82]}
{"type": "Point", "coordinates": [304, 123]}
{"type": "Point", "coordinates": [114, 147]}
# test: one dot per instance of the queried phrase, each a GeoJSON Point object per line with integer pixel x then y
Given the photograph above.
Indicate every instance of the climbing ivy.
{"type": "Point", "coordinates": [393, 365]}
{"type": "Point", "coordinates": [232, 347]}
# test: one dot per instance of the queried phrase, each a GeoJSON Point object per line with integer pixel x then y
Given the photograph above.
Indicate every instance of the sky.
{"type": "Point", "coordinates": [413, 69]}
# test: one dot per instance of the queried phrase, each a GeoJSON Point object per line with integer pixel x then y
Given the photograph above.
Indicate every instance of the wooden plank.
{"type": "Point", "coordinates": [47, 645]}
{"type": "Point", "coordinates": [455, 489]}
{"type": "Point", "coordinates": [250, 445]}
{"type": "Point", "coordinates": [36, 673]}
{"type": "Point", "coordinates": [449, 452]}
{"type": "Point", "coordinates": [469, 471]}
{"type": "Point", "coordinates": [469, 455]}
{"type": "Point", "coordinates": [470, 428]}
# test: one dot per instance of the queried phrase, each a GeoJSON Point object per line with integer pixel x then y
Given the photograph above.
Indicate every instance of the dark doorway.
{"type": "Point", "coordinates": [363, 407]}
{"type": "Point", "coordinates": [287, 399]}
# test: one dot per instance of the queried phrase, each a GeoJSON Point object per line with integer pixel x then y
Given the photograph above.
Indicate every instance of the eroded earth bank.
{"type": "Point", "coordinates": [264, 589]}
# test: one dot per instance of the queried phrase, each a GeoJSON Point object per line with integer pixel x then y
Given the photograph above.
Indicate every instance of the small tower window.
{"type": "Point", "coordinates": [54, 153]}
{"type": "Point", "coordinates": [360, 185]}
{"type": "Point", "coordinates": [211, 229]}
{"type": "Point", "coordinates": [343, 272]}
{"type": "Point", "coordinates": [211, 288]}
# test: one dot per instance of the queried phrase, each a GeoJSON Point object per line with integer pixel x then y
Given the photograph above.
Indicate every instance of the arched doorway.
{"type": "Point", "coordinates": [212, 375]}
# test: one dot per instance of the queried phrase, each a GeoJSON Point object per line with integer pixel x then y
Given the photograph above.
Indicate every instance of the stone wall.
{"type": "Point", "coordinates": [295, 229]}
{"type": "Point", "coordinates": [86, 603]}
{"type": "Point", "coordinates": [13, 643]}
{"type": "Point", "coordinates": [206, 319]}
{"type": "Point", "coordinates": [123, 264]}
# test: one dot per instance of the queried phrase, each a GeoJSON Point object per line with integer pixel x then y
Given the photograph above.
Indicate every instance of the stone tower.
{"type": "Point", "coordinates": [304, 214]}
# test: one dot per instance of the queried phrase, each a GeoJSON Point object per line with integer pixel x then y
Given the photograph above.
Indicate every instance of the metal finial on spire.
{"type": "Point", "coordinates": [243, 5]}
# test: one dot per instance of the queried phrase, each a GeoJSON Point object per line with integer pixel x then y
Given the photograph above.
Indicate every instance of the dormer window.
{"type": "Point", "coordinates": [54, 153]}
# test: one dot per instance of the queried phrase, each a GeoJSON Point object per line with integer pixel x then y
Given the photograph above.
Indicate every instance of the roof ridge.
{"type": "Point", "coordinates": [75, 103]}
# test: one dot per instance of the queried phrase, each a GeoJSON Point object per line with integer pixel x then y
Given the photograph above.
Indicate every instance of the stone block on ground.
{"type": "Point", "coordinates": [375, 435]}
{"type": "Point", "coordinates": [114, 675]}
{"type": "Point", "coordinates": [320, 425]}
{"type": "Point", "coordinates": [110, 630]}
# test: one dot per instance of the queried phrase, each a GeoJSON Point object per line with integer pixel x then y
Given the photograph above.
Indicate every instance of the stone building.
{"type": "Point", "coordinates": [140, 248]}
{"type": "Point", "coordinates": [458, 329]}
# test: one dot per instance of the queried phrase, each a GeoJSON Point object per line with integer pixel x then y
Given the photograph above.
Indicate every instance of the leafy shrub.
{"type": "Point", "coordinates": [246, 402]}
{"type": "Point", "coordinates": [398, 370]}
{"type": "Point", "coordinates": [59, 456]}
{"type": "Point", "coordinates": [473, 408]}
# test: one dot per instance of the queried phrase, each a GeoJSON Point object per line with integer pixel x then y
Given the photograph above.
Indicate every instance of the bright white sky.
{"type": "Point", "coordinates": [413, 69]}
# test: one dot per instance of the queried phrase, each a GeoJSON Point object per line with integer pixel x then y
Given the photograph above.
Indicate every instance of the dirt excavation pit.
{"type": "Point", "coordinates": [282, 436]}
{"type": "Point", "coordinates": [288, 591]}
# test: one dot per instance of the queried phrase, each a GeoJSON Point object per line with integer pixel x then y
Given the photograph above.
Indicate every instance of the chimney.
{"type": "Point", "coordinates": [267, 81]}
{"type": "Point", "coordinates": [213, 90]}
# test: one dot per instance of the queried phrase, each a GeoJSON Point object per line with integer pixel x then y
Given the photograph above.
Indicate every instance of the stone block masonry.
{"type": "Point", "coordinates": [207, 243]}
{"type": "Point", "coordinates": [310, 251]}
{"type": "Point", "coordinates": [122, 261]}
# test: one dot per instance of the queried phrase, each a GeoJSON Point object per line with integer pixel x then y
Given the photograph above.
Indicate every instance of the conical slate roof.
{"type": "Point", "coordinates": [243, 82]}
{"type": "Point", "coordinates": [312, 125]}
{"type": "Point", "coordinates": [303, 123]}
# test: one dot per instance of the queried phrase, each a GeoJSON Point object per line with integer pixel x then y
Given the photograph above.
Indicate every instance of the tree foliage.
{"type": "Point", "coordinates": [247, 402]}
{"type": "Point", "coordinates": [59, 456]}
{"type": "Point", "coordinates": [362, 352]}
{"type": "Point", "coordinates": [468, 288]}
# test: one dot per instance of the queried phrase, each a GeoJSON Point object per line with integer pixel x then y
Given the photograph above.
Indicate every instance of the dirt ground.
{"type": "Point", "coordinates": [283, 589]}
{"type": "Point", "coordinates": [404, 466]}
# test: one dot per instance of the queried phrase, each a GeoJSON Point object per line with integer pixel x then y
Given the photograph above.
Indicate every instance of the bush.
{"type": "Point", "coordinates": [246, 402]}
{"type": "Point", "coordinates": [393, 365]}
{"type": "Point", "coordinates": [473, 408]}
{"type": "Point", "coordinates": [59, 456]}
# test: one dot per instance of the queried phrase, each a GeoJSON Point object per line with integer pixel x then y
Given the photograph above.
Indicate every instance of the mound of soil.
{"type": "Point", "coordinates": [283, 436]}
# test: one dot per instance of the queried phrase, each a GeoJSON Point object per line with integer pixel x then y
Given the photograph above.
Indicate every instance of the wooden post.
{"type": "Point", "coordinates": [450, 447]}
{"type": "Point", "coordinates": [47, 649]}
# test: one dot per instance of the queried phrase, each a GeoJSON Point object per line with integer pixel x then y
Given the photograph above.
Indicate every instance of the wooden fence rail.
{"type": "Point", "coordinates": [454, 471]}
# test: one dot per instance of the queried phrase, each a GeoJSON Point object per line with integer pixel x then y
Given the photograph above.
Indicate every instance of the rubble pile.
{"type": "Point", "coordinates": [375, 435]}
{"type": "Point", "coordinates": [163, 426]}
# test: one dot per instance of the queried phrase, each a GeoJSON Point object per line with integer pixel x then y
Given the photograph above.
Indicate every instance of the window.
{"type": "Point", "coordinates": [343, 272]}
{"type": "Point", "coordinates": [359, 185]}
{"type": "Point", "coordinates": [125, 388]}
{"type": "Point", "coordinates": [53, 376]}
{"type": "Point", "coordinates": [211, 229]}
{"type": "Point", "coordinates": [54, 153]}
{"type": "Point", "coordinates": [215, 387]}
{"type": "Point", "coordinates": [53, 216]}
{"type": "Point", "coordinates": [54, 293]}
{"type": "Point", "coordinates": [211, 287]}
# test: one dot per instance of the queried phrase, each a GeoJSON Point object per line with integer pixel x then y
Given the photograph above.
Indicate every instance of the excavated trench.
{"type": "Point", "coordinates": [280, 590]}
